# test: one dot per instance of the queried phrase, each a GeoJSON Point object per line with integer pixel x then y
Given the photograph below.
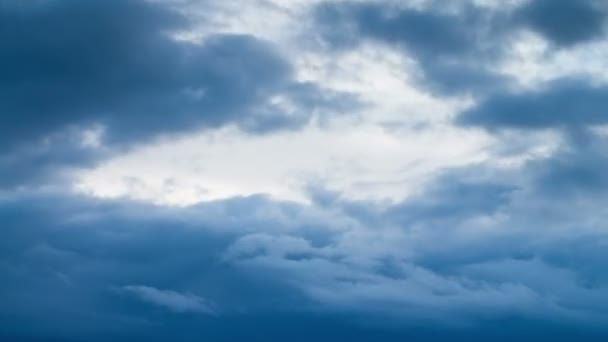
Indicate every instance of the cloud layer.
{"type": "Point", "coordinates": [303, 170]}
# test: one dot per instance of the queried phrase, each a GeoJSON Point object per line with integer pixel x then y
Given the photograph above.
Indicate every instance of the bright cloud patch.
{"type": "Point", "coordinates": [359, 161]}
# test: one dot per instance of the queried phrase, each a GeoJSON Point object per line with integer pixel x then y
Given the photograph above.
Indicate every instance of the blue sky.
{"type": "Point", "coordinates": [329, 170]}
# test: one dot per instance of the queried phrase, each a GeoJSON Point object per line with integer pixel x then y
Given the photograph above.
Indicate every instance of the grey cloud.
{"type": "Point", "coordinates": [172, 300]}
{"type": "Point", "coordinates": [465, 252]}
{"type": "Point", "coordinates": [128, 74]}
{"type": "Point", "coordinates": [47, 160]}
{"type": "Point", "coordinates": [69, 63]}
{"type": "Point", "coordinates": [457, 46]}
{"type": "Point", "coordinates": [454, 49]}
{"type": "Point", "coordinates": [565, 22]}
{"type": "Point", "coordinates": [564, 104]}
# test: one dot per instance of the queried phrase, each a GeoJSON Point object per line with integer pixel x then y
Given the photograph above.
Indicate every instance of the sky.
{"type": "Point", "coordinates": [326, 170]}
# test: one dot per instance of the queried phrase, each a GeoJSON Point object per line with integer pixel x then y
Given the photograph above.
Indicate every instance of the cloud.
{"type": "Point", "coordinates": [467, 250]}
{"type": "Point", "coordinates": [49, 160]}
{"type": "Point", "coordinates": [498, 237]}
{"type": "Point", "coordinates": [565, 103]}
{"type": "Point", "coordinates": [565, 22]}
{"type": "Point", "coordinates": [454, 48]}
{"type": "Point", "coordinates": [172, 300]}
{"type": "Point", "coordinates": [116, 64]}
{"type": "Point", "coordinates": [575, 171]}
{"type": "Point", "coordinates": [426, 33]}
{"type": "Point", "coordinates": [128, 74]}
{"type": "Point", "coordinates": [457, 47]}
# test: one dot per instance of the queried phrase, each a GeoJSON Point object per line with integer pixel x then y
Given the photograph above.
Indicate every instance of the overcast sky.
{"type": "Point", "coordinates": [303, 170]}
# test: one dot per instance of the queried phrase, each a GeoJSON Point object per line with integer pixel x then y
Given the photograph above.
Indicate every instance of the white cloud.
{"type": "Point", "coordinates": [361, 161]}
{"type": "Point", "coordinates": [532, 61]}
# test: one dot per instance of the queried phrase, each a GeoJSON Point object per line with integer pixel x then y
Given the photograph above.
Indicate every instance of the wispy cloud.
{"type": "Point", "coordinates": [171, 300]}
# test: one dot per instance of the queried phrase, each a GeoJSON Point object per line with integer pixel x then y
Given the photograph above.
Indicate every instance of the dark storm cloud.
{"type": "Point", "coordinates": [77, 267]}
{"type": "Point", "coordinates": [113, 62]}
{"type": "Point", "coordinates": [565, 22]}
{"type": "Point", "coordinates": [576, 172]}
{"type": "Point", "coordinates": [451, 198]}
{"type": "Point", "coordinates": [45, 161]}
{"type": "Point", "coordinates": [561, 104]}
{"type": "Point", "coordinates": [84, 269]}
{"type": "Point", "coordinates": [70, 63]}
